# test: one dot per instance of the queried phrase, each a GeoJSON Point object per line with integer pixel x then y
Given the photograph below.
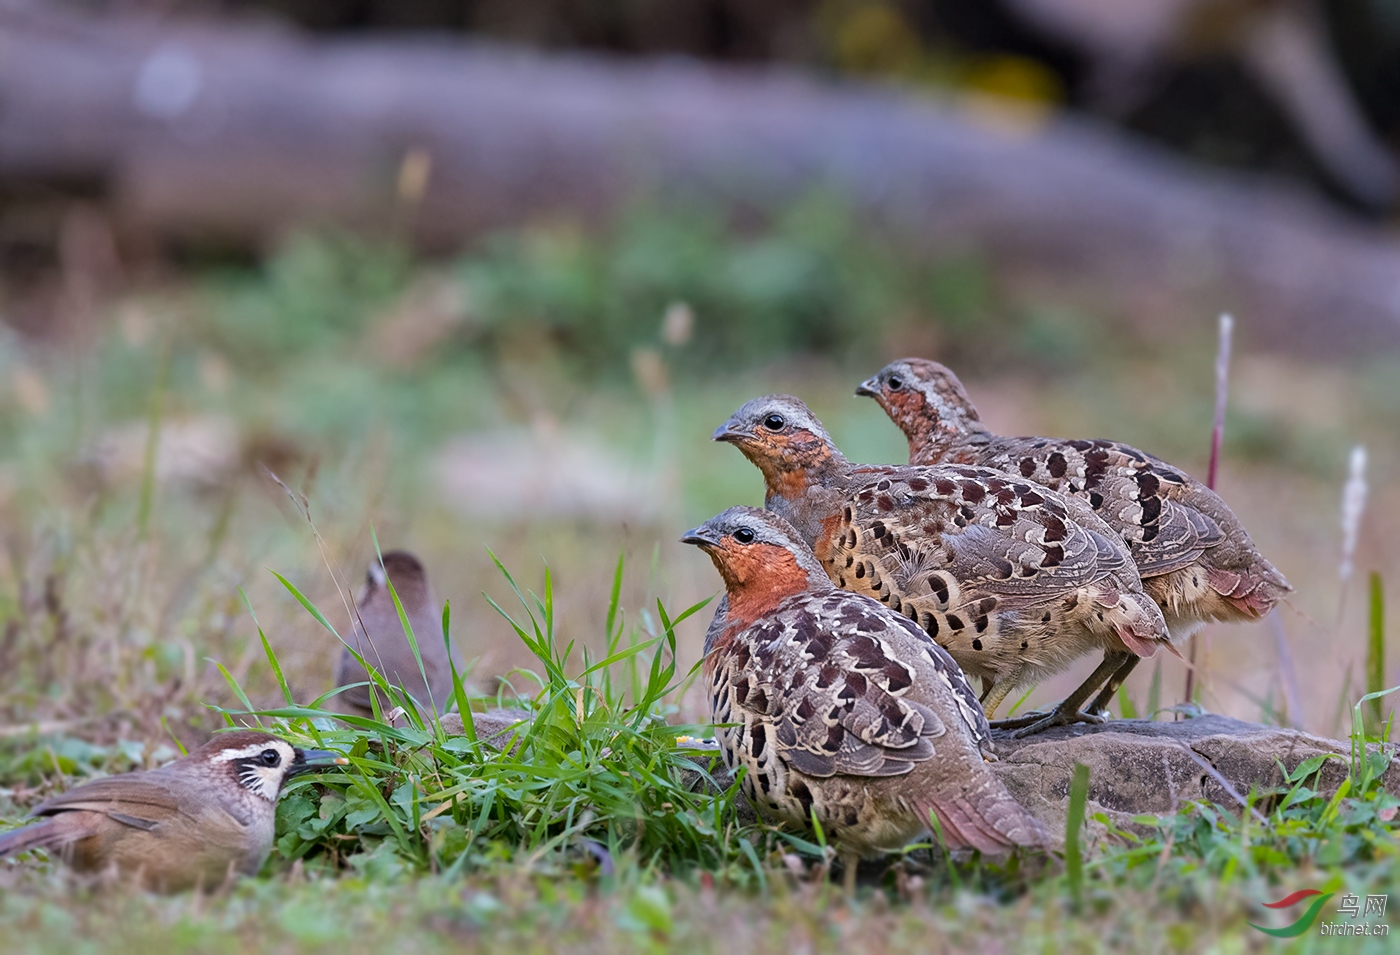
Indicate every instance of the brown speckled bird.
{"type": "Point", "coordinates": [1195, 557]}
{"type": "Point", "coordinates": [841, 708]}
{"type": "Point", "coordinates": [1012, 579]}
{"type": "Point", "coordinates": [378, 636]}
{"type": "Point", "coordinates": [196, 821]}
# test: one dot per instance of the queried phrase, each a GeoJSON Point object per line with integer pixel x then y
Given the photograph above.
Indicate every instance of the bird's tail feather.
{"type": "Point", "coordinates": [1251, 593]}
{"type": "Point", "coordinates": [988, 820]}
{"type": "Point", "coordinates": [1138, 622]}
{"type": "Point", "coordinates": [47, 834]}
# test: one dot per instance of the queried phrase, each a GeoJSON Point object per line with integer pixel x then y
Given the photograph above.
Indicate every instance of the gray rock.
{"type": "Point", "coordinates": [1140, 767]}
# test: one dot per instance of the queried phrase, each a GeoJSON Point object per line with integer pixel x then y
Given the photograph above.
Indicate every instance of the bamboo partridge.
{"type": "Point", "coordinates": [1012, 579]}
{"type": "Point", "coordinates": [1195, 557]}
{"type": "Point", "coordinates": [380, 639]}
{"type": "Point", "coordinates": [840, 709]}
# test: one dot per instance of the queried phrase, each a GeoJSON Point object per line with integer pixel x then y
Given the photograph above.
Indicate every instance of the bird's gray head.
{"type": "Point", "coordinates": [757, 552]}
{"type": "Point", "coordinates": [785, 441]}
{"type": "Point", "coordinates": [405, 571]}
{"type": "Point", "coordinates": [262, 763]}
{"type": "Point", "coordinates": [925, 399]}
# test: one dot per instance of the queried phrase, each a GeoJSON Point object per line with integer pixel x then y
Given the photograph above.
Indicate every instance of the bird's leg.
{"type": "Point", "coordinates": [1100, 704]}
{"type": "Point", "coordinates": [1068, 711]}
{"type": "Point", "coordinates": [850, 862]}
{"type": "Point", "coordinates": [1113, 660]}
{"type": "Point", "coordinates": [998, 694]}
{"type": "Point", "coordinates": [995, 693]}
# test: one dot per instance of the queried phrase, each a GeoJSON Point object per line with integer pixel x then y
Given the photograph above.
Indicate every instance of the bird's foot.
{"type": "Point", "coordinates": [1059, 716]}
{"type": "Point", "coordinates": [1016, 722]}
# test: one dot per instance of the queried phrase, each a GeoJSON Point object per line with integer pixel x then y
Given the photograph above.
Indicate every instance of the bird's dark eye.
{"type": "Point", "coordinates": [894, 382]}
{"type": "Point", "coordinates": [269, 757]}
{"type": "Point", "coordinates": [774, 422]}
{"type": "Point", "coordinates": [743, 535]}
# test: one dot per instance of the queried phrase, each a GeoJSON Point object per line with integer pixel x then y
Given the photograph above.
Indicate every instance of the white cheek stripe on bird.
{"type": "Point", "coordinates": [266, 783]}
{"type": "Point", "coordinates": [229, 755]}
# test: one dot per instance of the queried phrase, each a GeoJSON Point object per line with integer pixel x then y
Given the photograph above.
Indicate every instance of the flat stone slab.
{"type": "Point", "coordinates": [1141, 767]}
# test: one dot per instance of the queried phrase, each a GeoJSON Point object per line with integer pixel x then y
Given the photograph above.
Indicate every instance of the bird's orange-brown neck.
{"type": "Point", "coordinates": [758, 577]}
{"type": "Point", "coordinates": [934, 428]}
{"type": "Point", "coordinates": [792, 463]}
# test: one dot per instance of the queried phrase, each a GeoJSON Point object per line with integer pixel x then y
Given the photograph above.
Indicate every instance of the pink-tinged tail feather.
{"type": "Point", "coordinates": [1143, 629]}
{"type": "Point", "coordinates": [1143, 648]}
{"type": "Point", "coordinates": [988, 820]}
{"type": "Point", "coordinates": [1252, 594]}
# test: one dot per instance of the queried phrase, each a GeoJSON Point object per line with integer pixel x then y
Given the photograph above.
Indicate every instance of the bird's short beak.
{"type": "Point", "coordinates": [869, 388]}
{"type": "Point", "coordinates": [730, 432]}
{"type": "Point", "coordinates": [314, 759]}
{"type": "Point", "coordinates": [700, 537]}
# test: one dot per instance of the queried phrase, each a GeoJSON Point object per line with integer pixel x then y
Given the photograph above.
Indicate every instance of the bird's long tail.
{"type": "Point", "coordinates": [46, 834]}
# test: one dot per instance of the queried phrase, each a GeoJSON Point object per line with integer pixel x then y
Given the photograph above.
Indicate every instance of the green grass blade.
{"type": "Point", "coordinates": [692, 610]}
{"type": "Point", "coordinates": [233, 685]}
{"type": "Point", "coordinates": [267, 650]}
{"type": "Point", "coordinates": [509, 579]}
{"type": "Point", "coordinates": [151, 455]}
{"type": "Point", "coordinates": [614, 600]}
{"type": "Point", "coordinates": [366, 785]}
{"type": "Point", "coordinates": [619, 656]}
{"type": "Point", "coordinates": [459, 692]}
{"type": "Point", "coordinates": [818, 831]}
{"type": "Point", "coordinates": [1125, 704]}
{"type": "Point", "coordinates": [165, 725]}
{"type": "Point", "coordinates": [935, 826]}
{"type": "Point", "coordinates": [1074, 823]}
{"type": "Point", "coordinates": [1020, 702]}
{"type": "Point", "coordinates": [1375, 656]}
{"type": "Point", "coordinates": [306, 604]}
{"type": "Point", "coordinates": [747, 848]}
{"type": "Point", "coordinates": [548, 607]}
{"type": "Point", "coordinates": [1358, 738]}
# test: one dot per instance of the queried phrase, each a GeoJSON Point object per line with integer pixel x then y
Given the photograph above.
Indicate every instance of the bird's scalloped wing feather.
{"type": "Point", "coordinates": [1145, 500]}
{"type": "Point", "coordinates": [836, 675]}
{"type": "Point", "coordinates": [975, 531]}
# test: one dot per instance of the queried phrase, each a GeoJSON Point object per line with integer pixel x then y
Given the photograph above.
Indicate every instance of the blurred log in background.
{"type": "Point", "coordinates": [132, 131]}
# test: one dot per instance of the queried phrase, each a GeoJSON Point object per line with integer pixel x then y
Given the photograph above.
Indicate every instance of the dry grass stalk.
{"type": "Point", "coordinates": [1217, 433]}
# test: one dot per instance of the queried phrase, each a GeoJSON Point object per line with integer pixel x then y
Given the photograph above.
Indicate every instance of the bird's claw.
{"type": "Point", "coordinates": [1057, 717]}
{"type": "Point", "coordinates": [1016, 722]}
